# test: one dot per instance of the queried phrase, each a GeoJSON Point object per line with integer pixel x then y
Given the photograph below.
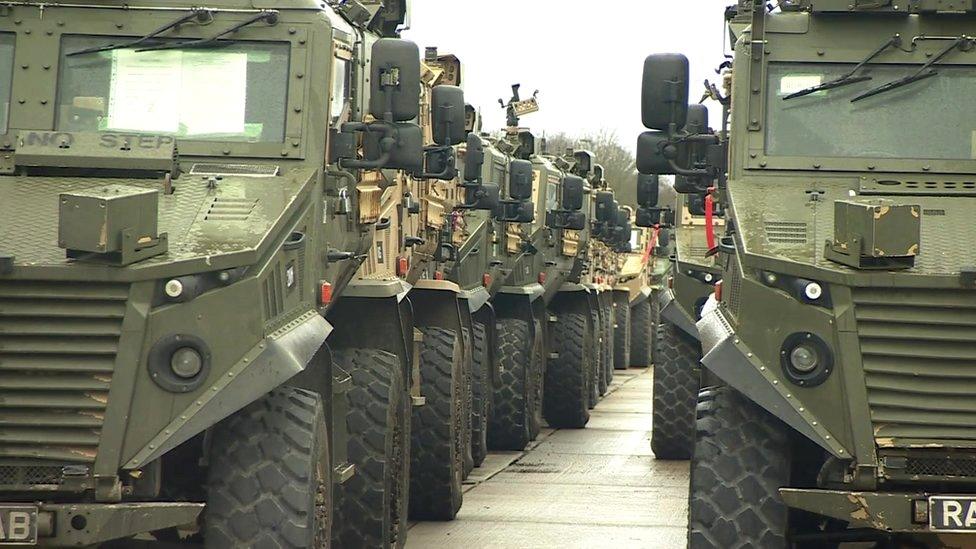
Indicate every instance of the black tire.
{"type": "Point", "coordinates": [467, 369]}
{"type": "Point", "coordinates": [655, 321]}
{"type": "Point", "coordinates": [371, 507]}
{"type": "Point", "coordinates": [597, 375]}
{"type": "Point", "coordinates": [568, 376]}
{"type": "Point", "coordinates": [537, 379]}
{"type": "Point", "coordinates": [270, 477]}
{"type": "Point", "coordinates": [741, 460]}
{"type": "Point", "coordinates": [608, 343]}
{"type": "Point", "coordinates": [514, 398]}
{"type": "Point", "coordinates": [436, 449]}
{"type": "Point", "coordinates": [621, 336]}
{"type": "Point", "coordinates": [482, 389]}
{"type": "Point", "coordinates": [677, 377]}
{"type": "Point", "coordinates": [641, 334]}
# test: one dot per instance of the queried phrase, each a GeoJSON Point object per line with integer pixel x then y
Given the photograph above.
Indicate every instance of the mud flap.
{"type": "Point", "coordinates": [672, 312]}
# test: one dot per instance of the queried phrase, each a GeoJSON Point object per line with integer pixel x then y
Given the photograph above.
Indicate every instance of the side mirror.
{"type": "Point", "coordinates": [585, 160]}
{"type": "Point", "coordinates": [520, 180]}
{"type": "Point", "coordinates": [696, 205]}
{"type": "Point", "coordinates": [407, 151]}
{"type": "Point", "coordinates": [518, 212]}
{"type": "Point", "coordinates": [654, 151]}
{"type": "Point", "coordinates": [482, 197]}
{"type": "Point", "coordinates": [526, 146]}
{"type": "Point", "coordinates": [573, 193]}
{"type": "Point", "coordinates": [688, 185]}
{"type": "Point", "coordinates": [447, 115]}
{"type": "Point", "coordinates": [697, 123]}
{"type": "Point", "coordinates": [576, 221]}
{"type": "Point", "coordinates": [395, 80]}
{"type": "Point", "coordinates": [648, 188]}
{"type": "Point", "coordinates": [605, 207]}
{"type": "Point", "coordinates": [598, 172]}
{"type": "Point", "coordinates": [648, 217]}
{"type": "Point", "coordinates": [664, 97]}
{"type": "Point", "coordinates": [474, 157]}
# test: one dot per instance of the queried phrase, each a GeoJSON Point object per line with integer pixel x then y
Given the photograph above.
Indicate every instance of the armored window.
{"type": "Point", "coordinates": [237, 92]}
{"type": "Point", "coordinates": [931, 119]}
{"type": "Point", "coordinates": [6, 76]}
{"type": "Point", "coordinates": [341, 86]}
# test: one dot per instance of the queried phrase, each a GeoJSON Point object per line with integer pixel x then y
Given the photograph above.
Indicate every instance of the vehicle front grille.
{"type": "Point", "coordinates": [941, 466]}
{"type": "Point", "coordinates": [30, 475]}
{"type": "Point", "coordinates": [58, 343]}
{"type": "Point", "coordinates": [919, 357]}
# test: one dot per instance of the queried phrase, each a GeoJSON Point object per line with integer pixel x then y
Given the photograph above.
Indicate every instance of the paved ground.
{"type": "Point", "coordinates": [596, 487]}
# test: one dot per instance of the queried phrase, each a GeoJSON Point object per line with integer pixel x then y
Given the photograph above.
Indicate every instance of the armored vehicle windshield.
{"type": "Point", "coordinates": [830, 124]}
{"type": "Point", "coordinates": [237, 92]}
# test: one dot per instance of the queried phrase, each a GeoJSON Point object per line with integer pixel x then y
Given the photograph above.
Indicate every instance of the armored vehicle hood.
{"type": "Point", "coordinates": [212, 221]}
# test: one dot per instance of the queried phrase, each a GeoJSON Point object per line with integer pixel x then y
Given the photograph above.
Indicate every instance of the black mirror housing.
{"type": "Point", "coordinates": [395, 80]}
{"type": "Point", "coordinates": [605, 207]}
{"type": "Point", "coordinates": [654, 152]}
{"type": "Point", "coordinates": [697, 123]}
{"type": "Point", "coordinates": [520, 180]}
{"type": "Point", "coordinates": [648, 189]}
{"type": "Point", "coordinates": [482, 197]}
{"type": "Point", "coordinates": [474, 157]}
{"type": "Point", "coordinates": [576, 221]}
{"type": "Point", "coordinates": [664, 97]}
{"type": "Point", "coordinates": [447, 115]}
{"type": "Point", "coordinates": [408, 149]}
{"type": "Point", "coordinates": [573, 193]}
{"type": "Point", "coordinates": [585, 160]}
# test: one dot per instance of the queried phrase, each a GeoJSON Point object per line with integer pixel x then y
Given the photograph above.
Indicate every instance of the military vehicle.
{"type": "Point", "coordinates": [184, 206]}
{"type": "Point", "coordinates": [542, 309]}
{"type": "Point", "coordinates": [840, 336]}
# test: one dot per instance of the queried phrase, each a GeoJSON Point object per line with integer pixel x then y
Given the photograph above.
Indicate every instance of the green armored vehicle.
{"type": "Point", "coordinates": [184, 203]}
{"type": "Point", "coordinates": [842, 338]}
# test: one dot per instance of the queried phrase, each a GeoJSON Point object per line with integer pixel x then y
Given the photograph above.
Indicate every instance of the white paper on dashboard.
{"type": "Point", "coordinates": [214, 93]}
{"type": "Point", "coordinates": [144, 93]}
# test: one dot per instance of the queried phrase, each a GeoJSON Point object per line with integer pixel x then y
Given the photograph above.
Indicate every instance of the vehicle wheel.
{"type": "Point", "coordinates": [467, 403]}
{"type": "Point", "coordinates": [677, 376]}
{"type": "Point", "coordinates": [655, 321]}
{"type": "Point", "coordinates": [436, 449]}
{"type": "Point", "coordinates": [741, 460]}
{"type": "Point", "coordinates": [270, 477]}
{"type": "Point", "coordinates": [597, 375]}
{"type": "Point", "coordinates": [608, 335]}
{"type": "Point", "coordinates": [481, 393]}
{"type": "Point", "coordinates": [568, 376]}
{"type": "Point", "coordinates": [641, 334]}
{"type": "Point", "coordinates": [371, 507]}
{"type": "Point", "coordinates": [514, 407]}
{"type": "Point", "coordinates": [621, 336]}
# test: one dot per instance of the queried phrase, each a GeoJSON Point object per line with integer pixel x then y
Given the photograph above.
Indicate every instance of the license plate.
{"type": "Point", "coordinates": [952, 513]}
{"type": "Point", "coordinates": [18, 525]}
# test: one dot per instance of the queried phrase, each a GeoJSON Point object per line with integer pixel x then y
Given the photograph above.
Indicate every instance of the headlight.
{"type": "Point", "coordinates": [179, 363]}
{"type": "Point", "coordinates": [806, 359]}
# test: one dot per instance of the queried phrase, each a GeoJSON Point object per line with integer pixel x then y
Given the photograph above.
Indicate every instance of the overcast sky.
{"type": "Point", "coordinates": [584, 57]}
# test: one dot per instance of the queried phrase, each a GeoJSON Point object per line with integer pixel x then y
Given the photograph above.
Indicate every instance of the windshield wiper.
{"type": "Point", "coordinates": [270, 17]}
{"type": "Point", "coordinates": [925, 71]}
{"type": "Point", "coordinates": [203, 17]}
{"type": "Point", "coordinates": [848, 78]}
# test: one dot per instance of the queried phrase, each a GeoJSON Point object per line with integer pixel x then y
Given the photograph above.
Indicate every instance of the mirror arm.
{"type": "Point", "coordinates": [450, 168]}
{"type": "Point", "coordinates": [688, 173]}
{"type": "Point", "coordinates": [389, 132]}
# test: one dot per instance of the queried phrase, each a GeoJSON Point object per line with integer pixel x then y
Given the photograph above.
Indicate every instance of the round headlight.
{"type": "Point", "coordinates": [174, 289]}
{"type": "Point", "coordinates": [709, 277]}
{"type": "Point", "coordinates": [806, 359]}
{"type": "Point", "coordinates": [813, 291]}
{"type": "Point", "coordinates": [186, 362]}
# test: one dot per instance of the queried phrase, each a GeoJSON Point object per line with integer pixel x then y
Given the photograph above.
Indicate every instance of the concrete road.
{"type": "Point", "coordinates": [598, 487]}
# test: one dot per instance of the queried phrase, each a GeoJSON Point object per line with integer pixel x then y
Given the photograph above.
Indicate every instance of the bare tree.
{"type": "Point", "coordinates": [619, 164]}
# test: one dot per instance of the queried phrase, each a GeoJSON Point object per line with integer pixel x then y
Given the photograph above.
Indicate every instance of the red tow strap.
{"type": "Point", "coordinates": [651, 244]}
{"type": "Point", "coordinates": [709, 214]}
